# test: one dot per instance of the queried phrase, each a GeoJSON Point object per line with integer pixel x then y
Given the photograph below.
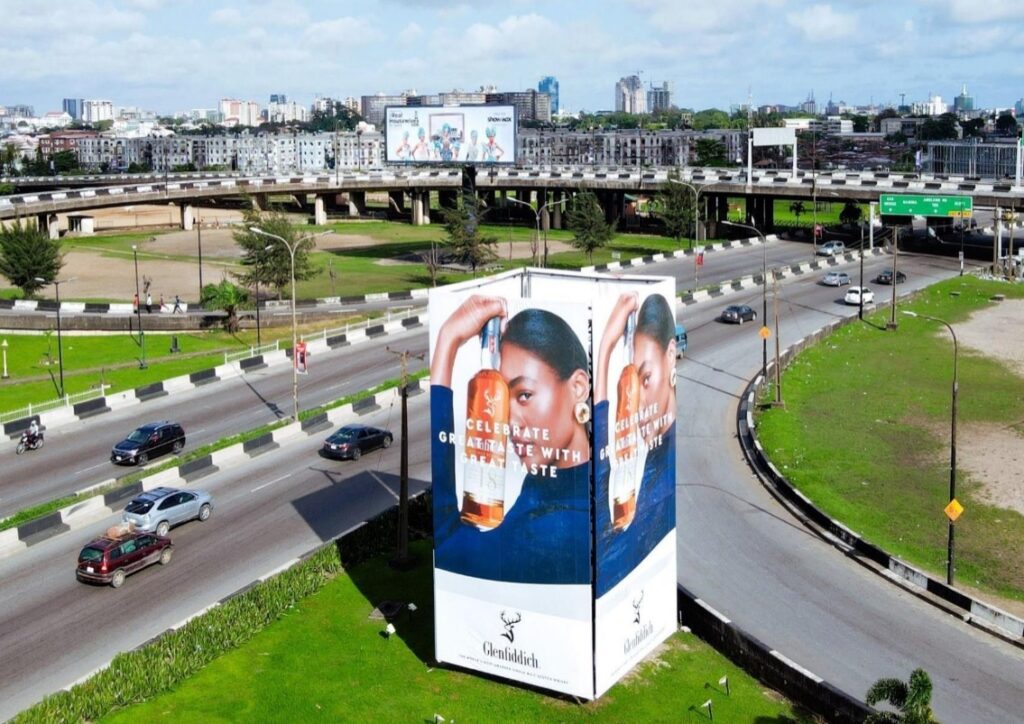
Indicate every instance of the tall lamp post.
{"type": "Point", "coordinates": [697, 191]}
{"type": "Point", "coordinates": [138, 309]}
{"type": "Point", "coordinates": [60, 348]}
{"type": "Point", "coordinates": [764, 292]}
{"type": "Point", "coordinates": [291, 247]}
{"type": "Point", "coordinates": [952, 441]}
{"type": "Point", "coordinates": [537, 213]}
{"type": "Point", "coordinates": [3, 345]}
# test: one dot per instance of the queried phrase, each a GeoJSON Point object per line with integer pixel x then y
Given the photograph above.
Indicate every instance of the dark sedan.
{"type": "Point", "coordinates": [886, 277]}
{"type": "Point", "coordinates": [351, 441]}
{"type": "Point", "coordinates": [738, 314]}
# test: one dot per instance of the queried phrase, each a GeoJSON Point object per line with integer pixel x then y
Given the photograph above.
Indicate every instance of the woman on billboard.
{"type": "Point", "coordinates": [635, 470]}
{"type": "Point", "coordinates": [530, 397]}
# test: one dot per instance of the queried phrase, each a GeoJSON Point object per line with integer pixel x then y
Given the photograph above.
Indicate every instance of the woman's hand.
{"type": "Point", "coordinates": [614, 329]}
{"type": "Point", "coordinates": [463, 324]}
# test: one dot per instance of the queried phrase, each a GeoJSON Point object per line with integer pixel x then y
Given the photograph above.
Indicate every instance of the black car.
{"type": "Point", "coordinates": [351, 441]}
{"type": "Point", "coordinates": [738, 314]}
{"type": "Point", "coordinates": [886, 277]}
{"type": "Point", "coordinates": [147, 442]}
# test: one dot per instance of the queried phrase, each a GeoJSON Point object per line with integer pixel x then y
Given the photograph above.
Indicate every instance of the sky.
{"type": "Point", "coordinates": [175, 55]}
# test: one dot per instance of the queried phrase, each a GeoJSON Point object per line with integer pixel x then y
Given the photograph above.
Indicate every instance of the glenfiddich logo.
{"type": "Point", "coordinates": [509, 653]}
{"type": "Point", "coordinates": [510, 625]}
{"type": "Point", "coordinates": [643, 630]}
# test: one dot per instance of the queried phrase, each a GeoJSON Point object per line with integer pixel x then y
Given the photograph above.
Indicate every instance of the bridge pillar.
{"type": "Point", "coordinates": [48, 222]}
{"type": "Point", "coordinates": [260, 202]}
{"type": "Point", "coordinates": [556, 210]}
{"type": "Point", "coordinates": [356, 203]}
{"type": "Point", "coordinates": [717, 211]}
{"type": "Point", "coordinates": [397, 201]}
{"type": "Point", "coordinates": [417, 209]}
{"type": "Point", "coordinates": [319, 211]}
{"type": "Point", "coordinates": [187, 217]}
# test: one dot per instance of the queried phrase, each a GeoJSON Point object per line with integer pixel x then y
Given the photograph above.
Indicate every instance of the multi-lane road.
{"type": "Point", "coordinates": [738, 549]}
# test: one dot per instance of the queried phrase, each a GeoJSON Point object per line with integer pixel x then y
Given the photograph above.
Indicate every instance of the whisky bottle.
{"type": "Point", "coordinates": [627, 408]}
{"type": "Point", "coordinates": [487, 417]}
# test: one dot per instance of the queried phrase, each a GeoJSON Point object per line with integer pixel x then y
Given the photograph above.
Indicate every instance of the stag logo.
{"type": "Point", "coordinates": [491, 401]}
{"type": "Point", "coordinates": [510, 625]}
{"type": "Point", "coordinates": [636, 608]}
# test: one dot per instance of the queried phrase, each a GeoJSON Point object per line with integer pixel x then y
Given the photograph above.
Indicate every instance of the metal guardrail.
{"type": "Point", "coordinates": [253, 351]}
{"type": "Point", "coordinates": [348, 328]}
{"type": "Point", "coordinates": [65, 401]}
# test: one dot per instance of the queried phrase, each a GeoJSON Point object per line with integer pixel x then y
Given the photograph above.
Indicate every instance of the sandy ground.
{"type": "Point", "coordinates": [994, 455]}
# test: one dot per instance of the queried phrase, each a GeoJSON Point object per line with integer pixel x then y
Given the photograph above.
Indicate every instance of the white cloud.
{"type": "Point", "coordinates": [821, 24]}
{"type": "Point", "coordinates": [684, 19]}
{"type": "Point", "coordinates": [516, 36]}
{"type": "Point", "coordinates": [985, 11]}
{"type": "Point", "coordinates": [410, 33]}
{"type": "Point", "coordinates": [226, 16]}
{"type": "Point", "coordinates": [341, 32]}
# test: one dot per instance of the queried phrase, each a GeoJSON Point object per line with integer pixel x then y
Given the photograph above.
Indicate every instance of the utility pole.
{"type": "Point", "coordinates": [401, 560]}
{"type": "Point", "coordinates": [895, 253]}
{"type": "Point", "coordinates": [778, 356]}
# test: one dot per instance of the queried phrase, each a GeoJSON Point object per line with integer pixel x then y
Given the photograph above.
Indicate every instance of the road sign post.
{"type": "Point", "coordinates": [920, 205]}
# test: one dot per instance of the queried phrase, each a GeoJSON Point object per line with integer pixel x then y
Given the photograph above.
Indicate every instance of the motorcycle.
{"type": "Point", "coordinates": [27, 443]}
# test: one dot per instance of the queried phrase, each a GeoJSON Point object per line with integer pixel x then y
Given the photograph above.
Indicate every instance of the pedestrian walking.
{"type": "Point", "coordinates": [177, 305]}
{"type": "Point", "coordinates": [149, 303]}
{"type": "Point", "coordinates": [161, 307]}
{"type": "Point", "coordinates": [135, 303]}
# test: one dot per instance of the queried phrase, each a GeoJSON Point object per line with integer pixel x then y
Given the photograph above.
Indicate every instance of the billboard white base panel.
{"type": "Point", "coordinates": [636, 615]}
{"type": "Point", "coordinates": [515, 630]}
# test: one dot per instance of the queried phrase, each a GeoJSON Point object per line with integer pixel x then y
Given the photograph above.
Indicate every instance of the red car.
{"type": "Point", "coordinates": [113, 557]}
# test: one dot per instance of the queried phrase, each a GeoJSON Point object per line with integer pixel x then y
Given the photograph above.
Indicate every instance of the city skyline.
{"type": "Point", "coordinates": [173, 57]}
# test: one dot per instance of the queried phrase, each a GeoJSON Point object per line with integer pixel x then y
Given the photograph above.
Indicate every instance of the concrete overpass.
{"type": "Point", "coordinates": [409, 190]}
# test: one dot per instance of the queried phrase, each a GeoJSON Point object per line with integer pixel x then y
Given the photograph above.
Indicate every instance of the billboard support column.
{"type": "Point", "coordinates": [417, 208]}
{"type": "Point", "coordinates": [319, 211]}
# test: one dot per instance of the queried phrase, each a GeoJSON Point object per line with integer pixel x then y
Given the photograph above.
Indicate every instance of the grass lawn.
{"type": "Point", "coordinates": [327, 661]}
{"type": "Point", "coordinates": [828, 212]}
{"type": "Point", "coordinates": [865, 434]}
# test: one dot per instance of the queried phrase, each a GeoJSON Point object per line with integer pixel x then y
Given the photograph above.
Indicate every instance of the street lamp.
{"type": "Point", "coordinates": [291, 247]}
{"type": "Point", "coordinates": [764, 293]}
{"type": "Point", "coordinates": [3, 346]}
{"type": "Point", "coordinates": [952, 442]}
{"type": "Point", "coordinates": [697, 191]}
{"type": "Point", "coordinates": [537, 213]}
{"type": "Point", "coordinates": [60, 348]}
{"type": "Point", "coordinates": [138, 309]}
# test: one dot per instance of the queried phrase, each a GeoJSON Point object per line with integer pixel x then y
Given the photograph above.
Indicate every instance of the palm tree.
{"type": "Point", "coordinates": [228, 297]}
{"type": "Point", "coordinates": [797, 208]}
{"type": "Point", "coordinates": [912, 699]}
{"type": "Point", "coordinates": [851, 213]}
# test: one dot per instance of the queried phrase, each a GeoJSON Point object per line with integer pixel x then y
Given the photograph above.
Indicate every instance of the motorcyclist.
{"type": "Point", "coordinates": [33, 432]}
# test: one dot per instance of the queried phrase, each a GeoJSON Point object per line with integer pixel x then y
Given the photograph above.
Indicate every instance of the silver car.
{"type": "Point", "coordinates": [836, 279]}
{"type": "Point", "coordinates": [155, 511]}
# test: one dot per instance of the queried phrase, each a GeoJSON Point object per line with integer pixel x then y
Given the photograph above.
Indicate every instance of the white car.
{"type": "Point", "coordinates": [832, 248]}
{"type": "Point", "coordinates": [853, 295]}
{"type": "Point", "coordinates": [836, 279]}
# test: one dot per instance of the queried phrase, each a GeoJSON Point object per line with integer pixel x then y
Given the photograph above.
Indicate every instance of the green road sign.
{"type": "Point", "coordinates": [918, 205]}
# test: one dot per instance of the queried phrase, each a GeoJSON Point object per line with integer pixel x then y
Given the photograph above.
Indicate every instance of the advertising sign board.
{"type": "Point", "coordinates": [450, 134]}
{"type": "Point", "coordinates": [553, 462]}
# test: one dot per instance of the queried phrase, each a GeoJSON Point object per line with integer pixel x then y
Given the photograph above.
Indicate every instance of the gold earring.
{"type": "Point", "coordinates": [672, 377]}
{"type": "Point", "coordinates": [582, 413]}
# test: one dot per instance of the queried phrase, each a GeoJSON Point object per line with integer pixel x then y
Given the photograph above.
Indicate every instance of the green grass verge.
{"type": "Point", "coordinates": [37, 511]}
{"type": "Point", "coordinates": [865, 435]}
{"type": "Point", "coordinates": [322, 658]}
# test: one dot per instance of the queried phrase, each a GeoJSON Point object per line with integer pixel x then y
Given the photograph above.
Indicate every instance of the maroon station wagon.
{"type": "Point", "coordinates": [110, 559]}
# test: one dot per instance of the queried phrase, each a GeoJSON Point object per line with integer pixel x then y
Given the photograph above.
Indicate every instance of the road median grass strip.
{"type": "Point", "coordinates": [302, 646]}
{"type": "Point", "coordinates": [865, 435]}
{"type": "Point", "coordinates": [23, 516]}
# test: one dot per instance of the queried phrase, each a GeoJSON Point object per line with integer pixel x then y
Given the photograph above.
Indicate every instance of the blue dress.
{"type": "Point", "coordinates": [619, 552]}
{"type": "Point", "coordinates": [544, 537]}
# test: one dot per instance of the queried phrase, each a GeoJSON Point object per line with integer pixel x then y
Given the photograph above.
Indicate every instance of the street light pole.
{"type": "Point", "coordinates": [764, 293]}
{"type": "Point", "coordinates": [696, 204]}
{"type": "Point", "coordinates": [537, 213]}
{"type": "Point", "coordinates": [950, 568]}
{"type": "Point", "coordinates": [291, 247]}
{"type": "Point", "coordinates": [199, 240]}
{"type": "Point", "coordinates": [138, 309]}
{"type": "Point", "coordinates": [60, 346]}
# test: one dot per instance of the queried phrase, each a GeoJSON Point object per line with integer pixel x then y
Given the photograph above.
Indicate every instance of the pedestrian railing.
{"type": "Point", "coordinates": [50, 405]}
{"type": "Point", "coordinates": [404, 313]}
{"type": "Point", "coordinates": [252, 351]}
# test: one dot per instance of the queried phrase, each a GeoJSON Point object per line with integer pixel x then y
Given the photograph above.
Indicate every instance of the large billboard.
{"type": "Point", "coordinates": [529, 538]}
{"type": "Point", "coordinates": [450, 134]}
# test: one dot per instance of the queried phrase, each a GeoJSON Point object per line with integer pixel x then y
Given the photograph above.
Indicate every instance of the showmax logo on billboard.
{"type": "Point", "coordinates": [553, 458]}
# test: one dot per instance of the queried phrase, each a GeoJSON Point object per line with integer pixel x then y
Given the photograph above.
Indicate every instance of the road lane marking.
{"type": "Point", "coordinates": [91, 467]}
{"type": "Point", "coordinates": [383, 485]}
{"type": "Point", "coordinates": [267, 485]}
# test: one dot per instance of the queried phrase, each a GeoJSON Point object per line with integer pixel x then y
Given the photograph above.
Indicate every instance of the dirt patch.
{"type": "Point", "coordinates": [995, 332]}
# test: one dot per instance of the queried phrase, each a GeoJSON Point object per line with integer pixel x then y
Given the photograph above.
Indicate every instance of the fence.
{"type": "Point", "coordinates": [253, 351]}
{"type": "Point", "coordinates": [65, 401]}
{"type": "Point", "coordinates": [363, 324]}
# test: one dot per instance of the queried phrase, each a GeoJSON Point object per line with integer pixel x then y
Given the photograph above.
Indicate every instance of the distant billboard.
{"type": "Point", "coordinates": [450, 134]}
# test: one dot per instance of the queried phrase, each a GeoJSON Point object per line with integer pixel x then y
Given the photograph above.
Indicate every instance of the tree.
{"type": "Point", "coordinates": [462, 233]}
{"type": "Point", "coordinates": [266, 259]}
{"type": "Point", "coordinates": [861, 123]}
{"type": "Point", "coordinates": [586, 222]}
{"type": "Point", "coordinates": [797, 208]}
{"type": "Point", "coordinates": [228, 297]}
{"type": "Point", "coordinates": [1006, 124]}
{"type": "Point", "coordinates": [27, 252]}
{"type": "Point", "coordinates": [676, 207]}
{"type": "Point", "coordinates": [940, 128]}
{"type": "Point", "coordinates": [913, 700]}
{"type": "Point", "coordinates": [711, 152]}
{"type": "Point", "coordinates": [851, 213]}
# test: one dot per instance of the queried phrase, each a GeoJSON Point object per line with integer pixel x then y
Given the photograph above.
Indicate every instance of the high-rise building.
{"type": "Point", "coordinates": [73, 107]}
{"type": "Point", "coordinates": [530, 105]}
{"type": "Point", "coordinates": [963, 102]}
{"type": "Point", "coordinates": [1018, 108]}
{"type": "Point", "coordinates": [549, 84]}
{"type": "Point", "coordinates": [373, 106]}
{"type": "Point", "coordinates": [660, 99]}
{"type": "Point", "coordinates": [234, 112]}
{"type": "Point", "coordinates": [94, 111]}
{"type": "Point", "coordinates": [630, 96]}
{"type": "Point", "coordinates": [278, 98]}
